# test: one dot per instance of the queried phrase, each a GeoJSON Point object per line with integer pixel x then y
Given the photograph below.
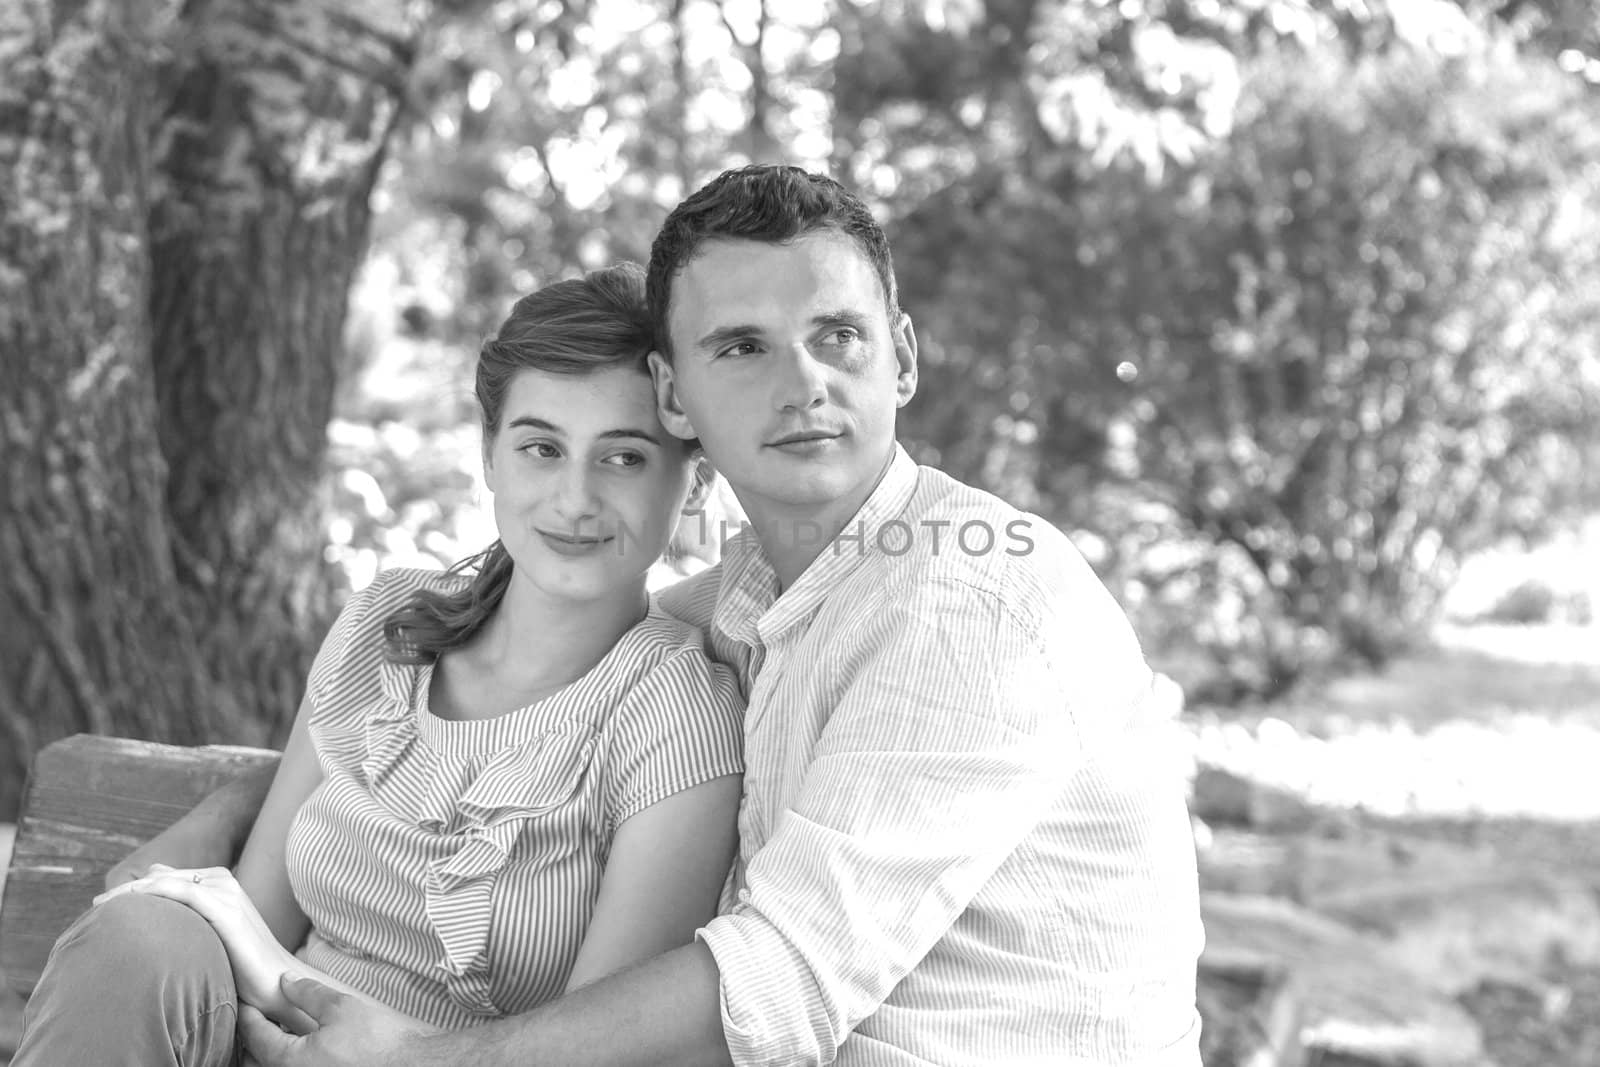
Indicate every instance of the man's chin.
{"type": "Point", "coordinates": [811, 495]}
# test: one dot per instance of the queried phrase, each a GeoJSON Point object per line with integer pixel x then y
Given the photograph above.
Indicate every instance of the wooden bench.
{"type": "Point", "coordinates": [89, 801]}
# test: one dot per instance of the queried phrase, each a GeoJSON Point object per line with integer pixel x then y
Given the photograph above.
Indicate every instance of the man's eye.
{"type": "Point", "coordinates": [743, 348]}
{"type": "Point", "coordinates": [625, 459]}
{"type": "Point", "coordinates": [845, 335]}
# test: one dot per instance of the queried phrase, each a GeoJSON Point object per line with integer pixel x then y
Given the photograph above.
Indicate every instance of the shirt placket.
{"type": "Point", "coordinates": [761, 735]}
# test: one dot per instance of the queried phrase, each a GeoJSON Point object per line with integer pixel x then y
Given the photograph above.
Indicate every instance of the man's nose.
{"type": "Point", "coordinates": [802, 381]}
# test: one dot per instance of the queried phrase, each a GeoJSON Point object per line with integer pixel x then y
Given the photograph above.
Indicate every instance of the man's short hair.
{"type": "Point", "coordinates": [761, 202]}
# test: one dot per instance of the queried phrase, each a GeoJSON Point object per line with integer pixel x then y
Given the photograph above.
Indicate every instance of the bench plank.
{"type": "Point", "coordinates": [89, 801]}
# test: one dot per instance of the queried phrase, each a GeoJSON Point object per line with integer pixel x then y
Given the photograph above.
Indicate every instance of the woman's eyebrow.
{"type": "Point", "coordinates": [535, 423]}
{"type": "Point", "coordinates": [629, 433]}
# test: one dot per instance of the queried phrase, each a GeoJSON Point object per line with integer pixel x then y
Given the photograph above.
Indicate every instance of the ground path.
{"type": "Point", "coordinates": [1432, 831]}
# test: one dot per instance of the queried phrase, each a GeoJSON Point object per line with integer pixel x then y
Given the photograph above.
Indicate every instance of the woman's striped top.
{"type": "Point", "coordinates": [449, 868]}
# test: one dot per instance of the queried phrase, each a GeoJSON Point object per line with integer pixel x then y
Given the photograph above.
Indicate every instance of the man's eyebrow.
{"type": "Point", "coordinates": [849, 316]}
{"type": "Point", "coordinates": [625, 433]}
{"type": "Point", "coordinates": [723, 334]}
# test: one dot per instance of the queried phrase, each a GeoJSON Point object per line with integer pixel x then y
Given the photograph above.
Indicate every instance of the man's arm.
{"type": "Point", "coordinates": [945, 745]}
{"type": "Point", "coordinates": [209, 835]}
{"type": "Point", "coordinates": [967, 710]}
{"type": "Point", "coordinates": [965, 773]}
{"type": "Point", "coordinates": [663, 1012]}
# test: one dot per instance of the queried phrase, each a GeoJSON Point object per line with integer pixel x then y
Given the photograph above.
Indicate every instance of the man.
{"type": "Point", "coordinates": [956, 845]}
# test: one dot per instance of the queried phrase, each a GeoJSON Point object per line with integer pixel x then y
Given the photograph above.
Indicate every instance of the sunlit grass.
{"type": "Point", "coordinates": [1475, 674]}
{"type": "Point", "coordinates": [1491, 721]}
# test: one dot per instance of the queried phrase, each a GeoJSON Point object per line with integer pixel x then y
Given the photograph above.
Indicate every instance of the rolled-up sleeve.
{"type": "Point", "coordinates": [952, 740]}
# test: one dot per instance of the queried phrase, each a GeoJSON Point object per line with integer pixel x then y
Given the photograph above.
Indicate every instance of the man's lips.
{"type": "Point", "coordinates": [802, 437]}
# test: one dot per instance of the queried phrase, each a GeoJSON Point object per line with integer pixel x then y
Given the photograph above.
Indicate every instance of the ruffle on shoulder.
{"type": "Point", "coordinates": [391, 726]}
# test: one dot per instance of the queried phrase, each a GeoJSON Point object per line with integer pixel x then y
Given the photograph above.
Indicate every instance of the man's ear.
{"type": "Point", "coordinates": [905, 357]}
{"type": "Point", "coordinates": [705, 476]}
{"type": "Point", "coordinates": [668, 408]}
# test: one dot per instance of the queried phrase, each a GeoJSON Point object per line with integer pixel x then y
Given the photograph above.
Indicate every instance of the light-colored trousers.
{"type": "Point", "coordinates": [139, 981]}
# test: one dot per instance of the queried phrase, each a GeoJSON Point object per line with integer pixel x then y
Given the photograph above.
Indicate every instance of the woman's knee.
{"type": "Point", "coordinates": [145, 932]}
{"type": "Point", "coordinates": [138, 979]}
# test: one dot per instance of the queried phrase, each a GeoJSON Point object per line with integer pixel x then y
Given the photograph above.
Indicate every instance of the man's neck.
{"type": "Point", "coordinates": [793, 542]}
{"type": "Point", "coordinates": [792, 538]}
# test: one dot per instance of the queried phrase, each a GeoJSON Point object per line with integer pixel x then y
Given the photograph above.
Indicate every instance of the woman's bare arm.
{"type": "Point", "coordinates": [662, 879]}
{"type": "Point", "coordinates": [262, 868]}
{"type": "Point", "coordinates": [209, 835]}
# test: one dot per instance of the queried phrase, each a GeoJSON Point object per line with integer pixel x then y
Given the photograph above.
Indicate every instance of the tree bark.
{"type": "Point", "coordinates": [183, 200]}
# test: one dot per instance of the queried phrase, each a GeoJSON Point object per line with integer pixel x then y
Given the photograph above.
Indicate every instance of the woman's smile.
{"type": "Point", "coordinates": [573, 545]}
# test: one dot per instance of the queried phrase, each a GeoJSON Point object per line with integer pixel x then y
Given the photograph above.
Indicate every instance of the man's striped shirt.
{"type": "Point", "coordinates": [959, 845]}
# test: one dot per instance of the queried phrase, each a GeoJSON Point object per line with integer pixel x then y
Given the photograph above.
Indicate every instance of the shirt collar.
{"type": "Point", "coordinates": [749, 608]}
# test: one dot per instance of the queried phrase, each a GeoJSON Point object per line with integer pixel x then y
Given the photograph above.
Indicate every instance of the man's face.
{"type": "Point", "coordinates": [787, 368]}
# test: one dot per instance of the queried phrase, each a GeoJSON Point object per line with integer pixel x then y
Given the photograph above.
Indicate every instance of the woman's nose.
{"type": "Point", "coordinates": [575, 497]}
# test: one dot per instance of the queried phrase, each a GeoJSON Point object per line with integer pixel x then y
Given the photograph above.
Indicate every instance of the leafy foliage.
{"type": "Point", "coordinates": [1272, 300]}
{"type": "Point", "coordinates": [1343, 348]}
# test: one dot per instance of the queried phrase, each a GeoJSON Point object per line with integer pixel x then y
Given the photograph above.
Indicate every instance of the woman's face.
{"type": "Point", "coordinates": [587, 484]}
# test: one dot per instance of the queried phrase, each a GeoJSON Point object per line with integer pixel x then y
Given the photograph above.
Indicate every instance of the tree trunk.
{"type": "Point", "coordinates": [183, 200]}
{"type": "Point", "coordinates": [93, 636]}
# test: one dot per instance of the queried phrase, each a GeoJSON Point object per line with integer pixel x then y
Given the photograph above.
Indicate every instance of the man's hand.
{"type": "Point", "coordinates": [350, 1032]}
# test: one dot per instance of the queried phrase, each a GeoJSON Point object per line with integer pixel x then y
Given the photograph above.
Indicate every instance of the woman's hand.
{"type": "Point", "coordinates": [258, 960]}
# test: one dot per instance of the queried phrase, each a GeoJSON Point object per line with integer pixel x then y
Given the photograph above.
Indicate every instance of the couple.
{"type": "Point", "coordinates": [954, 845]}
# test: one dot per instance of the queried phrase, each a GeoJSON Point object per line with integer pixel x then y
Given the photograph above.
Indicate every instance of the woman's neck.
{"type": "Point", "coordinates": [536, 642]}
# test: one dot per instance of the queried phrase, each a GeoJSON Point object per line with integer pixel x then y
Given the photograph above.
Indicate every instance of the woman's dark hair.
{"type": "Point", "coordinates": [570, 327]}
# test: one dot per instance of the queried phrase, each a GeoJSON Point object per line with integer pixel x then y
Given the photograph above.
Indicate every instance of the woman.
{"type": "Point", "coordinates": [499, 786]}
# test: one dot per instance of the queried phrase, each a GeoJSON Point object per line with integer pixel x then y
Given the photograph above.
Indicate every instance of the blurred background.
{"type": "Point", "coordinates": [1287, 310]}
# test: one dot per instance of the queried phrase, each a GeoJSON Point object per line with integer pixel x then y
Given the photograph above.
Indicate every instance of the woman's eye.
{"type": "Point", "coordinates": [540, 449]}
{"type": "Point", "coordinates": [625, 459]}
